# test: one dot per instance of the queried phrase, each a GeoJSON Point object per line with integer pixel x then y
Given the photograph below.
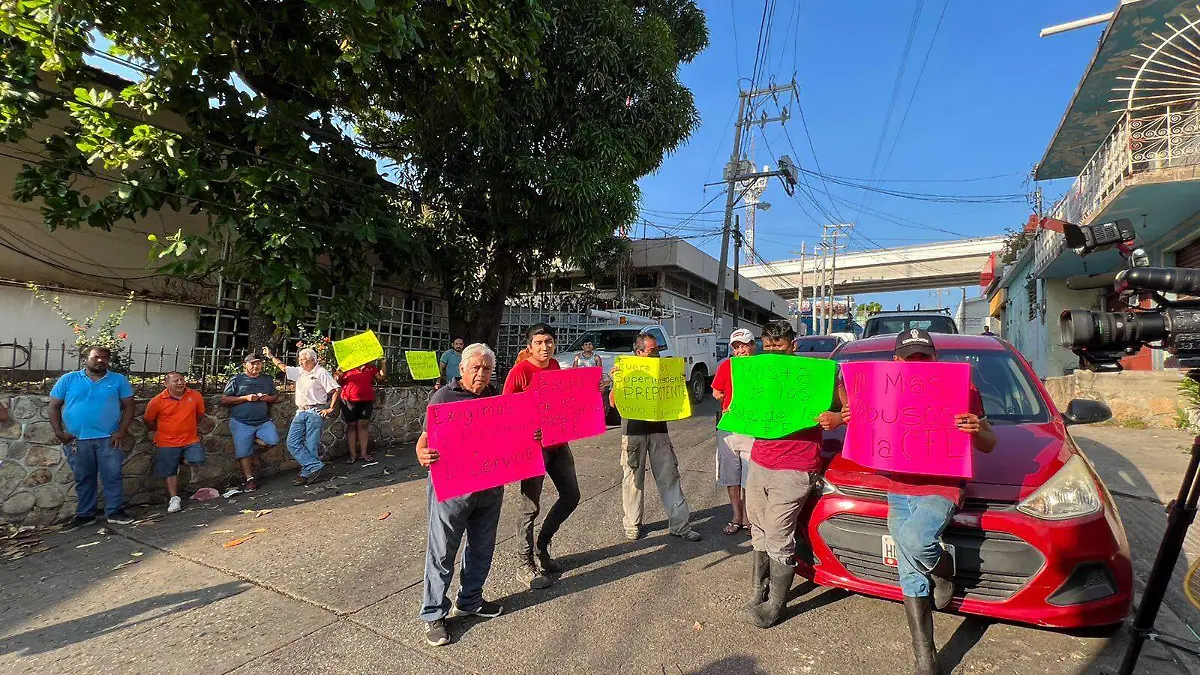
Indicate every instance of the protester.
{"type": "Point", "coordinates": [174, 417]}
{"type": "Point", "coordinates": [587, 358]}
{"type": "Point", "coordinates": [249, 396]}
{"type": "Point", "coordinates": [358, 404]}
{"type": "Point", "coordinates": [477, 515]}
{"type": "Point", "coordinates": [781, 475]}
{"type": "Point", "coordinates": [90, 412]}
{"type": "Point", "coordinates": [314, 385]}
{"type": "Point", "coordinates": [560, 466]}
{"type": "Point", "coordinates": [650, 442]}
{"type": "Point", "coordinates": [448, 363]}
{"type": "Point", "coordinates": [733, 450]}
{"type": "Point", "coordinates": [919, 510]}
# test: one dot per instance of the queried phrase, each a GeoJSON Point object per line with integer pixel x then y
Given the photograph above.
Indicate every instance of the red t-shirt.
{"type": "Point", "coordinates": [723, 382]}
{"type": "Point", "coordinates": [800, 451]}
{"type": "Point", "coordinates": [950, 488]}
{"type": "Point", "coordinates": [358, 384]}
{"type": "Point", "coordinates": [521, 376]}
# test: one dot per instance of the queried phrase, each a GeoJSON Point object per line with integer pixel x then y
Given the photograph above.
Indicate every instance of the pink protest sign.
{"type": "Point", "coordinates": [483, 443]}
{"type": "Point", "coordinates": [569, 404]}
{"type": "Point", "coordinates": [903, 417]}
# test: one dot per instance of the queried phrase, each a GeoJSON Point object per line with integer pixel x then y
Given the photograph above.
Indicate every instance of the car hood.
{"type": "Point", "coordinates": [1026, 456]}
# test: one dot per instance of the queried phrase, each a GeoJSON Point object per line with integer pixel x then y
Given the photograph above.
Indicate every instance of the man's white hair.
{"type": "Point", "coordinates": [306, 354]}
{"type": "Point", "coordinates": [477, 349]}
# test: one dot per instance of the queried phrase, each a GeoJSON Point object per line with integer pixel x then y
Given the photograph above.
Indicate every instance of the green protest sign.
{"type": "Point", "coordinates": [777, 394]}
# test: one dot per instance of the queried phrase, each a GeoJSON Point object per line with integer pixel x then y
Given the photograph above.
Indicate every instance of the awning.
{"type": "Point", "coordinates": [996, 304]}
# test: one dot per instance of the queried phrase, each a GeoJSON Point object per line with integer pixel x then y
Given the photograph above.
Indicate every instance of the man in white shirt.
{"type": "Point", "coordinates": [314, 385]}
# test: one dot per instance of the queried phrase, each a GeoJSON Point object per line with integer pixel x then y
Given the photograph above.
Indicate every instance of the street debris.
{"type": "Point", "coordinates": [349, 494]}
{"type": "Point", "coordinates": [222, 531]}
{"type": "Point", "coordinates": [385, 515]}
{"type": "Point", "coordinates": [90, 543]}
{"type": "Point", "coordinates": [205, 494]}
{"type": "Point", "coordinates": [257, 514]}
{"type": "Point", "coordinates": [231, 492]}
{"type": "Point", "coordinates": [697, 626]}
{"type": "Point", "coordinates": [369, 464]}
{"type": "Point", "coordinates": [127, 563]}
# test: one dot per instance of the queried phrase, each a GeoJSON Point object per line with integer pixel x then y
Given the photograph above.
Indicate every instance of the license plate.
{"type": "Point", "coordinates": [889, 551]}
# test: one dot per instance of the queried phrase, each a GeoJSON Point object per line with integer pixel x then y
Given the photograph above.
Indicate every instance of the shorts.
{"type": "Point", "coordinates": [733, 458]}
{"type": "Point", "coordinates": [243, 436]}
{"type": "Point", "coordinates": [166, 460]}
{"type": "Point", "coordinates": [353, 411]}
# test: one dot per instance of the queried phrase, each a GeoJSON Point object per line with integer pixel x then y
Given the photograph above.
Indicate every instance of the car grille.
{"type": "Point", "coordinates": [990, 566]}
{"type": "Point", "coordinates": [969, 504]}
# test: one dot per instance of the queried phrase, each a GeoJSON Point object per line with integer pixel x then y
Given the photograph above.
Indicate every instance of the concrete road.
{"type": "Point", "coordinates": [332, 586]}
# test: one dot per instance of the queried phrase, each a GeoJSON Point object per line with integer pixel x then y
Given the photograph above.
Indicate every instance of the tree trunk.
{"type": "Point", "coordinates": [481, 323]}
{"type": "Point", "coordinates": [262, 331]}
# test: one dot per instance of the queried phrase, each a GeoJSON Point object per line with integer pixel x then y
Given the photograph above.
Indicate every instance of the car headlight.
{"type": "Point", "coordinates": [1070, 493]}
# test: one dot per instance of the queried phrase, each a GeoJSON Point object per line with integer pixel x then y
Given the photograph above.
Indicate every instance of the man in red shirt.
{"type": "Point", "coordinates": [560, 466]}
{"type": "Point", "coordinates": [174, 416]}
{"type": "Point", "coordinates": [733, 450]}
{"type": "Point", "coordinates": [781, 476]}
{"type": "Point", "coordinates": [919, 510]}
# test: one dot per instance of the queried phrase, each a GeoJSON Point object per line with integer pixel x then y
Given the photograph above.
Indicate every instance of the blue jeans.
{"type": "Point", "coordinates": [304, 440]}
{"type": "Point", "coordinates": [478, 516]}
{"type": "Point", "coordinates": [916, 524]}
{"type": "Point", "coordinates": [89, 457]}
{"type": "Point", "coordinates": [243, 436]}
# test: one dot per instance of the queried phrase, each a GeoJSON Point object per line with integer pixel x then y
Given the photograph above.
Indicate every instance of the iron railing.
{"type": "Point", "coordinates": [1141, 144]}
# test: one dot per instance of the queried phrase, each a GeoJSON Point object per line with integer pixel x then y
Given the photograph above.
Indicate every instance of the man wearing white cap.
{"type": "Point", "coordinates": [733, 450]}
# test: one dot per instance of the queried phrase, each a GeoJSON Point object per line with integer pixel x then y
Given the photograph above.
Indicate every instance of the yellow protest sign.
{"type": "Point", "coordinates": [355, 351]}
{"type": "Point", "coordinates": [651, 389]}
{"type": "Point", "coordinates": [423, 365]}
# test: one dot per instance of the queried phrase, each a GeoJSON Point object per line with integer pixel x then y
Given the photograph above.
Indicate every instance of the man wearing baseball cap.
{"type": "Point", "coordinates": [919, 510]}
{"type": "Point", "coordinates": [249, 396]}
{"type": "Point", "coordinates": [733, 450]}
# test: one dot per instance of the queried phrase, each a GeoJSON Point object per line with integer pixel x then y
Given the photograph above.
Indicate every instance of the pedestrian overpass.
{"type": "Point", "coordinates": [904, 268]}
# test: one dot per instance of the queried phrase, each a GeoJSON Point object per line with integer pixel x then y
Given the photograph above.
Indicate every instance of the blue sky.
{"type": "Point", "coordinates": [989, 99]}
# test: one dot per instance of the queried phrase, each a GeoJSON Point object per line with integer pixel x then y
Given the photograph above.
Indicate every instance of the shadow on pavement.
{"type": "Point", "coordinates": [743, 665]}
{"type": "Point", "coordinates": [967, 635]}
{"type": "Point", "coordinates": [116, 619]}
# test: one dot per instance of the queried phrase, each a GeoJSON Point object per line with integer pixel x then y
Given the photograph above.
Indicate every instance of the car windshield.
{"type": "Point", "coordinates": [614, 340]}
{"type": "Point", "coordinates": [1009, 396]}
{"type": "Point", "coordinates": [884, 325]}
{"type": "Point", "coordinates": [816, 344]}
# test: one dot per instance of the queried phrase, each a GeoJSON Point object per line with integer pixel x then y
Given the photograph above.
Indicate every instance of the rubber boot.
{"type": "Point", "coordinates": [920, 624]}
{"type": "Point", "coordinates": [768, 613]}
{"type": "Point", "coordinates": [942, 576]}
{"type": "Point", "coordinates": [760, 571]}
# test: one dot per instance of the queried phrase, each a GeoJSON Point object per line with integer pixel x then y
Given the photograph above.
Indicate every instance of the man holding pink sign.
{"type": "Point", "coordinates": [477, 453]}
{"type": "Point", "coordinates": [925, 448]}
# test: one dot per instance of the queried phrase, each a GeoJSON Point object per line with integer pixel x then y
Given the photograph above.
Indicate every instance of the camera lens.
{"type": "Point", "coordinates": [1081, 328]}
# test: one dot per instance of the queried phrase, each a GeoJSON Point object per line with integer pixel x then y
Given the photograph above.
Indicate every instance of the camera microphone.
{"type": "Point", "coordinates": [1164, 279]}
{"type": "Point", "coordinates": [1083, 282]}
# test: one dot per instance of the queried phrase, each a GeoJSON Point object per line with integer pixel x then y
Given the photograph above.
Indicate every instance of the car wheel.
{"type": "Point", "coordinates": [698, 384]}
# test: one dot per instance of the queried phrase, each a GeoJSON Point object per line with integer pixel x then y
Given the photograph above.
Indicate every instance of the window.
{"type": "Point", "coordinates": [1007, 392]}
{"type": "Point", "coordinates": [816, 344]}
{"type": "Point", "coordinates": [658, 336]}
{"type": "Point", "coordinates": [677, 285]}
{"type": "Point", "coordinates": [618, 341]}
{"type": "Point", "coordinates": [645, 280]}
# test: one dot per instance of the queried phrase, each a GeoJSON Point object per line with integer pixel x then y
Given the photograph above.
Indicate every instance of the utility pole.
{"type": "Point", "coordinates": [737, 249]}
{"type": "Point", "coordinates": [738, 171]}
{"type": "Point", "coordinates": [800, 292]}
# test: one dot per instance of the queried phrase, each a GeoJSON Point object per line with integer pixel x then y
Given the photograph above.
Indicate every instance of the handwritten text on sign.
{"type": "Point", "coordinates": [569, 404]}
{"type": "Point", "coordinates": [358, 350]}
{"type": "Point", "coordinates": [902, 417]}
{"type": "Point", "coordinates": [483, 443]}
{"type": "Point", "coordinates": [424, 366]}
{"type": "Point", "coordinates": [651, 389]}
{"type": "Point", "coordinates": [777, 394]}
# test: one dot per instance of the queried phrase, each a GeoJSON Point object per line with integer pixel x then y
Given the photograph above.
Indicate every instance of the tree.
{"type": "Point", "coordinates": [866, 309]}
{"type": "Point", "coordinates": [552, 172]}
{"type": "Point", "coordinates": [269, 93]}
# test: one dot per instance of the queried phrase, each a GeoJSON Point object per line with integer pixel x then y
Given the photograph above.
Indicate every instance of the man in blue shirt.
{"type": "Point", "coordinates": [90, 412]}
{"type": "Point", "coordinates": [449, 362]}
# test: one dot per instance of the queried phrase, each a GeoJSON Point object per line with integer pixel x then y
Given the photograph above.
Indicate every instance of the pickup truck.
{"type": "Point", "coordinates": [891, 323]}
{"type": "Point", "coordinates": [698, 350]}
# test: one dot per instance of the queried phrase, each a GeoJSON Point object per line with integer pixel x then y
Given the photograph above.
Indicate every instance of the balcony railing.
{"type": "Point", "coordinates": [1141, 144]}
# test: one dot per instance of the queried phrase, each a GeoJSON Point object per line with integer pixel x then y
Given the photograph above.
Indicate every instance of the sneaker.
{"type": "Point", "coordinates": [250, 485]}
{"type": "Point", "coordinates": [300, 480]}
{"type": "Point", "coordinates": [689, 535]}
{"type": "Point", "coordinates": [435, 633]}
{"type": "Point", "coordinates": [175, 505]}
{"type": "Point", "coordinates": [80, 521]}
{"type": "Point", "coordinates": [488, 610]}
{"type": "Point", "coordinates": [317, 476]}
{"type": "Point", "coordinates": [546, 563]}
{"type": "Point", "coordinates": [528, 573]}
{"type": "Point", "coordinates": [119, 518]}
{"type": "Point", "coordinates": [634, 534]}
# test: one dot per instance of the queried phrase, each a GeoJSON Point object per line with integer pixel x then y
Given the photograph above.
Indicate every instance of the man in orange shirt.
{"type": "Point", "coordinates": [174, 416]}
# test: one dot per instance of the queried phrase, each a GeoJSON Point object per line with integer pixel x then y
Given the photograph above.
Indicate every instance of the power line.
{"type": "Point", "coordinates": [916, 86]}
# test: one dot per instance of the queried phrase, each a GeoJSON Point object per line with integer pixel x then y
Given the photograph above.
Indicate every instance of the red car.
{"type": "Point", "coordinates": [1038, 540]}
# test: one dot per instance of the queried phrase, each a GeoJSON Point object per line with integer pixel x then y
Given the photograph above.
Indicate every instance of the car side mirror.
{"type": "Point", "coordinates": [1086, 411]}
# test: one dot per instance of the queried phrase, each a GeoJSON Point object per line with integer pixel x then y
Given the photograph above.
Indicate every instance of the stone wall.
{"type": "Point", "coordinates": [1136, 397]}
{"type": "Point", "coordinates": [37, 487]}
